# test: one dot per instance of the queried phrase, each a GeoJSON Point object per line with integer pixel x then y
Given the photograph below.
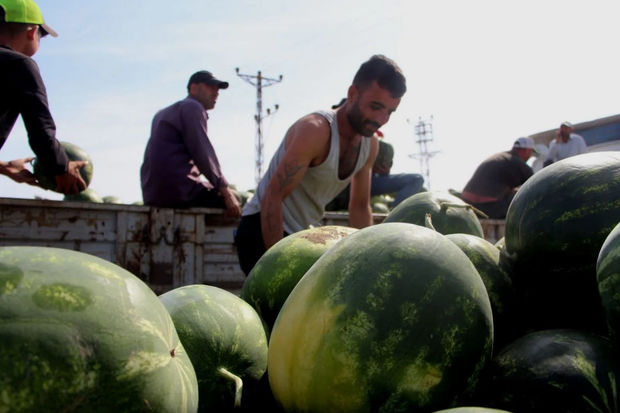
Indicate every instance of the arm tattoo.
{"type": "Point", "coordinates": [290, 170]}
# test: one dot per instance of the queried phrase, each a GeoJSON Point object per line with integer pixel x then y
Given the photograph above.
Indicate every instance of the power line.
{"type": "Point", "coordinates": [259, 81]}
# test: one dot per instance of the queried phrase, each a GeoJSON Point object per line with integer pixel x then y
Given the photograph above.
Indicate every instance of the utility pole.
{"type": "Point", "coordinates": [424, 132]}
{"type": "Point", "coordinates": [260, 82]}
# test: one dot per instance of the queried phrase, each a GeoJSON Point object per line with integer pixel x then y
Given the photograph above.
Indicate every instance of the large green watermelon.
{"type": "Point", "coordinates": [224, 338]}
{"type": "Point", "coordinates": [486, 258]}
{"type": "Point", "coordinates": [559, 370]}
{"type": "Point", "coordinates": [79, 333]}
{"type": "Point", "coordinates": [277, 272]}
{"type": "Point", "coordinates": [449, 214]}
{"type": "Point", "coordinates": [393, 318]}
{"type": "Point", "coordinates": [608, 278]}
{"type": "Point", "coordinates": [471, 409]}
{"type": "Point", "coordinates": [74, 153]}
{"type": "Point", "coordinates": [555, 227]}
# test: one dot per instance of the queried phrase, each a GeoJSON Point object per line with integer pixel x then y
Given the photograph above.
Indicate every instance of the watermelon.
{"type": "Point", "coordinates": [87, 195]}
{"type": "Point", "coordinates": [486, 258]}
{"type": "Point", "coordinates": [74, 153]}
{"type": "Point", "coordinates": [450, 214]}
{"type": "Point", "coordinates": [558, 370]}
{"type": "Point", "coordinates": [555, 227]}
{"type": "Point", "coordinates": [392, 318]}
{"type": "Point", "coordinates": [111, 199]}
{"type": "Point", "coordinates": [471, 409]}
{"type": "Point", "coordinates": [608, 279]}
{"type": "Point", "coordinates": [380, 207]}
{"type": "Point", "coordinates": [277, 272]}
{"type": "Point", "coordinates": [224, 338]}
{"type": "Point", "coordinates": [79, 333]}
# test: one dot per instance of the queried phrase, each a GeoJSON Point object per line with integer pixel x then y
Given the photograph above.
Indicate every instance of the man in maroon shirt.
{"type": "Point", "coordinates": [179, 153]}
{"type": "Point", "coordinates": [497, 179]}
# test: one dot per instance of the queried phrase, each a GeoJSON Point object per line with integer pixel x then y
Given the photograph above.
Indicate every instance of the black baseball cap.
{"type": "Point", "coordinates": [206, 77]}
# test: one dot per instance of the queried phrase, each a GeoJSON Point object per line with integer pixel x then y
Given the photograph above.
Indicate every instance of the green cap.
{"type": "Point", "coordinates": [25, 11]}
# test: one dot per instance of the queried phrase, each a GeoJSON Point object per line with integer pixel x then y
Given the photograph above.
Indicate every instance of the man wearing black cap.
{"type": "Point", "coordinates": [179, 153]}
{"type": "Point", "coordinates": [22, 92]}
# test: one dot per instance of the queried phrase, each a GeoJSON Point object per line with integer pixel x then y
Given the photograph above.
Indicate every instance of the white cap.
{"type": "Point", "coordinates": [525, 143]}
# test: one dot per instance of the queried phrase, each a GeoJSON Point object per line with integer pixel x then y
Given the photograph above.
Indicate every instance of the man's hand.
{"type": "Point", "coordinates": [17, 171]}
{"type": "Point", "coordinates": [71, 182]}
{"type": "Point", "coordinates": [233, 208]}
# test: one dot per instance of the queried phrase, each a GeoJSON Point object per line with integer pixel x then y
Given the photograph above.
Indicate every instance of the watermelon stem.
{"type": "Point", "coordinates": [428, 222]}
{"type": "Point", "coordinates": [238, 384]}
{"type": "Point", "coordinates": [445, 205]}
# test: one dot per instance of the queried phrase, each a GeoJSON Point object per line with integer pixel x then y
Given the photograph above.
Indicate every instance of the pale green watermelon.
{"type": "Point", "coordinates": [79, 333]}
{"type": "Point", "coordinates": [394, 317]}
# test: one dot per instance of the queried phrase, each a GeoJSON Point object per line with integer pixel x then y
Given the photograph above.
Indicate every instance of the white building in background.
{"type": "Point", "coordinates": [601, 134]}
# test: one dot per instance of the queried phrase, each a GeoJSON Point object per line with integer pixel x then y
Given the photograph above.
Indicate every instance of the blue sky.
{"type": "Point", "coordinates": [486, 71]}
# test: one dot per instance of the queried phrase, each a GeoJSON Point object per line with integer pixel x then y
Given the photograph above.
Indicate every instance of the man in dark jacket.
{"type": "Point", "coordinates": [23, 93]}
{"type": "Point", "coordinates": [179, 153]}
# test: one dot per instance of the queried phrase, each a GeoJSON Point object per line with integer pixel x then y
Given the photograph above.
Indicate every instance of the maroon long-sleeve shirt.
{"type": "Point", "coordinates": [178, 151]}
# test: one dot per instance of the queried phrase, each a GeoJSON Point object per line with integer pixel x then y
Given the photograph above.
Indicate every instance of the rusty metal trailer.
{"type": "Point", "coordinates": [166, 248]}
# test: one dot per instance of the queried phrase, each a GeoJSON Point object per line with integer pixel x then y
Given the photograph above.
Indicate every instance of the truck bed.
{"type": "Point", "coordinates": [165, 247]}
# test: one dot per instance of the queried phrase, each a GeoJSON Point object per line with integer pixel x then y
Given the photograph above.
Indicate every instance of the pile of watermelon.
{"type": "Point", "coordinates": [416, 314]}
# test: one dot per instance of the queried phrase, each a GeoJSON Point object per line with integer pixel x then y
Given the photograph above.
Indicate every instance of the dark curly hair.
{"type": "Point", "coordinates": [385, 71]}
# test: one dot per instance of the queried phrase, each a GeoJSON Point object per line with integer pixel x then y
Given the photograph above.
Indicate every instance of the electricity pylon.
{"type": "Point", "coordinates": [259, 81]}
{"type": "Point", "coordinates": [424, 132]}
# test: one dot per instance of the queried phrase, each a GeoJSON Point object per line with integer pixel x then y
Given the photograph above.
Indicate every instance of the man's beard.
{"type": "Point", "coordinates": [360, 125]}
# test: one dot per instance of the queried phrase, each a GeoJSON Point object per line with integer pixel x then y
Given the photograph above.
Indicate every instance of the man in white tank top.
{"type": "Point", "coordinates": [319, 156]}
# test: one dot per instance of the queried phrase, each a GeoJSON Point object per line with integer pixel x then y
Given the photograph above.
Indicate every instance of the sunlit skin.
{"type": "Point", "coordinates": [205, 94]}
{"type": "Point", "coordinates": [307, 145]}
{"type": "Point", "coordinates": [563, 134]}
{"type": "Point", "coordinates": [370, 108]}
{"type": "Point", "coordinates": [524, 153]}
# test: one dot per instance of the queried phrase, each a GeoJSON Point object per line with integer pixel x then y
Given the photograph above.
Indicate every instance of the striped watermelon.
{"type": "Point", "coordinates": [225, 340]}
{"type": "Point", "coordinates": [450, 215]}
{"type": "Point", "coordinates": [471, 410]}
{"type": "Point", "coordinates": [393, 318]}
{"type": "Point", "coordinates": [555, 227]}
{"type": "Point", "coordinates": [74, 153]}
{"type": "Point", "coordinates": [87, 195]}
{"type": "Point", "coordinates": [608, 278]}
{"type": "Point", "coordinates": [559, 370]}
{"type": "Point", "coordinates": [79, 333]}
{"type": "Point", "coordinates": [277, 272]}
{"type": "Point", "coordinates": [486, 258]}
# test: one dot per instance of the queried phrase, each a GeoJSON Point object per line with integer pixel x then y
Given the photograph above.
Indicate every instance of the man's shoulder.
{"type": "Point", "coordinates": [13, 57]}
{"type": "Point", "coordinates": [187, 105]}
{"type": "Point", "coordinates": [312, 123]}
{"type": "Point", "coordinates": [577, 137]}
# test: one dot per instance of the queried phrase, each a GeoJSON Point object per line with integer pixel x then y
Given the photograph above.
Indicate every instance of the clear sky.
{"type": "Point", "coordinates": [486, 71]}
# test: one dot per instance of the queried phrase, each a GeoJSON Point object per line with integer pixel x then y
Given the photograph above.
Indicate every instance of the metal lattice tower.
{"type": "Point", "coordinates": [424, 132]}
{"type": "Point", "coordinates": [259, 81]}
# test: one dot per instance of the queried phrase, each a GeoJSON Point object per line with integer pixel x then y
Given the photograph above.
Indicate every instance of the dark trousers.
{"type": "Point", "coordinates": [249, 241]}
{"type": "Point", "coordinates": [494, 210]}
{"type": "Point", "coordinates": [208, 198]}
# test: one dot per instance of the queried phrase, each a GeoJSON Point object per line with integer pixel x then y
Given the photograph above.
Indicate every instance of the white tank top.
{"type": "Point", "coordinates": [305, 206]}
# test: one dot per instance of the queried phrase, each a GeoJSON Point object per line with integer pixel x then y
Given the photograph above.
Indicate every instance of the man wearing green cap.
{"type": "Point", "coordinates": [23, 93]}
